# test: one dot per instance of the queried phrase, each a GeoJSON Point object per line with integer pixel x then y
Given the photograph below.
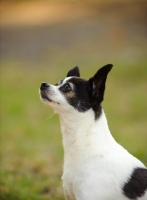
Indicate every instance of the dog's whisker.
{"type": "Point", "coordinates": [50, 116]}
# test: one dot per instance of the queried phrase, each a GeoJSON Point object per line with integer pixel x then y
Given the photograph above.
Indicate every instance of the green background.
{"type": "Point", "coordinates": [30, 139]}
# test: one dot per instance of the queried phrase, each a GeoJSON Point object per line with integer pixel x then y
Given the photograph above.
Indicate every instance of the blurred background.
{"type": "Point", "coordinates": [39, 42]}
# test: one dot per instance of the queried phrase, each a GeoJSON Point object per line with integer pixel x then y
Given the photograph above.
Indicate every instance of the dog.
{"type": "Point", "coordinates": [95, 167]}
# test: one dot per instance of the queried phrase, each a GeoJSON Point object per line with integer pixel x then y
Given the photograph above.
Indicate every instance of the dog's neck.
{"type": "Point", "coordinates": [85, 133]}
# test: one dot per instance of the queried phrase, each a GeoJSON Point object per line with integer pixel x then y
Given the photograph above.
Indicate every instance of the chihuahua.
{"type": "Point", "coordinates": [95, 167]}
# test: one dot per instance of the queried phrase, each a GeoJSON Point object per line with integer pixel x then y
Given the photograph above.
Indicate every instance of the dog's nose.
{"type": "Point", "coordinates": [44, 86]}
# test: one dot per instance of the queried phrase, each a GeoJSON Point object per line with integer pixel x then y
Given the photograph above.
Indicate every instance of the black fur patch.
{"type": "Point", "coordinates": [82, 98]}
{"type": "Point", "coordinates": [137, 184]}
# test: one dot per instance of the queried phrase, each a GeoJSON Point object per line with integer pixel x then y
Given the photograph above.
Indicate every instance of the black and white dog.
{"type": "Point", "coordinates": [96, 167]}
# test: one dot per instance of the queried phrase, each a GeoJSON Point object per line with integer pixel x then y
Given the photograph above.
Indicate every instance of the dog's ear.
{"type": "Point", "coordinates": [97, 84]}
{"type": "Point", "coordinates": [74, 72]}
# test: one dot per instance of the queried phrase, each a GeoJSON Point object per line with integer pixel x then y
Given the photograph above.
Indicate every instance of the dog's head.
{"type": "Point", "coordinates": [76, 94]}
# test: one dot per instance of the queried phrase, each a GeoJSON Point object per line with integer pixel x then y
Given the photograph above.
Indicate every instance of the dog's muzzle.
{"type": "Point", "coordinates": [43, 91]}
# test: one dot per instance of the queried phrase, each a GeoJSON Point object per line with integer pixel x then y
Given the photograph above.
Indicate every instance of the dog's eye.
{"type": "Point", "coordinates": [66, 88]}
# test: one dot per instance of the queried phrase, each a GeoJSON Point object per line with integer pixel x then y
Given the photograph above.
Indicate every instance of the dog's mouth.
{"type": "Point", "coordinates": [45, 97]}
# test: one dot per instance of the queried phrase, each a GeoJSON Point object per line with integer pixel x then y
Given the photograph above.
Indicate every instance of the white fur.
{"type": "Point", "coordinates": [95, 166]}
{"type": "Point", "coordinates": [93, 160]}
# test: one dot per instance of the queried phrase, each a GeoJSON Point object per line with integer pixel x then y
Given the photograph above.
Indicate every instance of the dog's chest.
{"type": "Point", "coordinates": [74, 161]}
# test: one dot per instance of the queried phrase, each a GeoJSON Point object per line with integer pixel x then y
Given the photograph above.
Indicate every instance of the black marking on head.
{"type": "Point", "coordinates": [74, 72]}
{"type": "Point", "coordinates": [137, 184]}
{"type": "Point", "coordinates": [83, 94]}
{"type": "Point", "coordinates": [80, 96]}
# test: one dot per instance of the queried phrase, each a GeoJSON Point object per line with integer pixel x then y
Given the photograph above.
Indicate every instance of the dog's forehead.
{"type": "Point", "coordinates": [66, 80]}
{"type": "Point", "coordinates": [62, 81]}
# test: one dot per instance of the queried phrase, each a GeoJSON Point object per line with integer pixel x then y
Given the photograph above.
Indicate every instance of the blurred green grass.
{"type": "Point", "coordinates": [30, 141]}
